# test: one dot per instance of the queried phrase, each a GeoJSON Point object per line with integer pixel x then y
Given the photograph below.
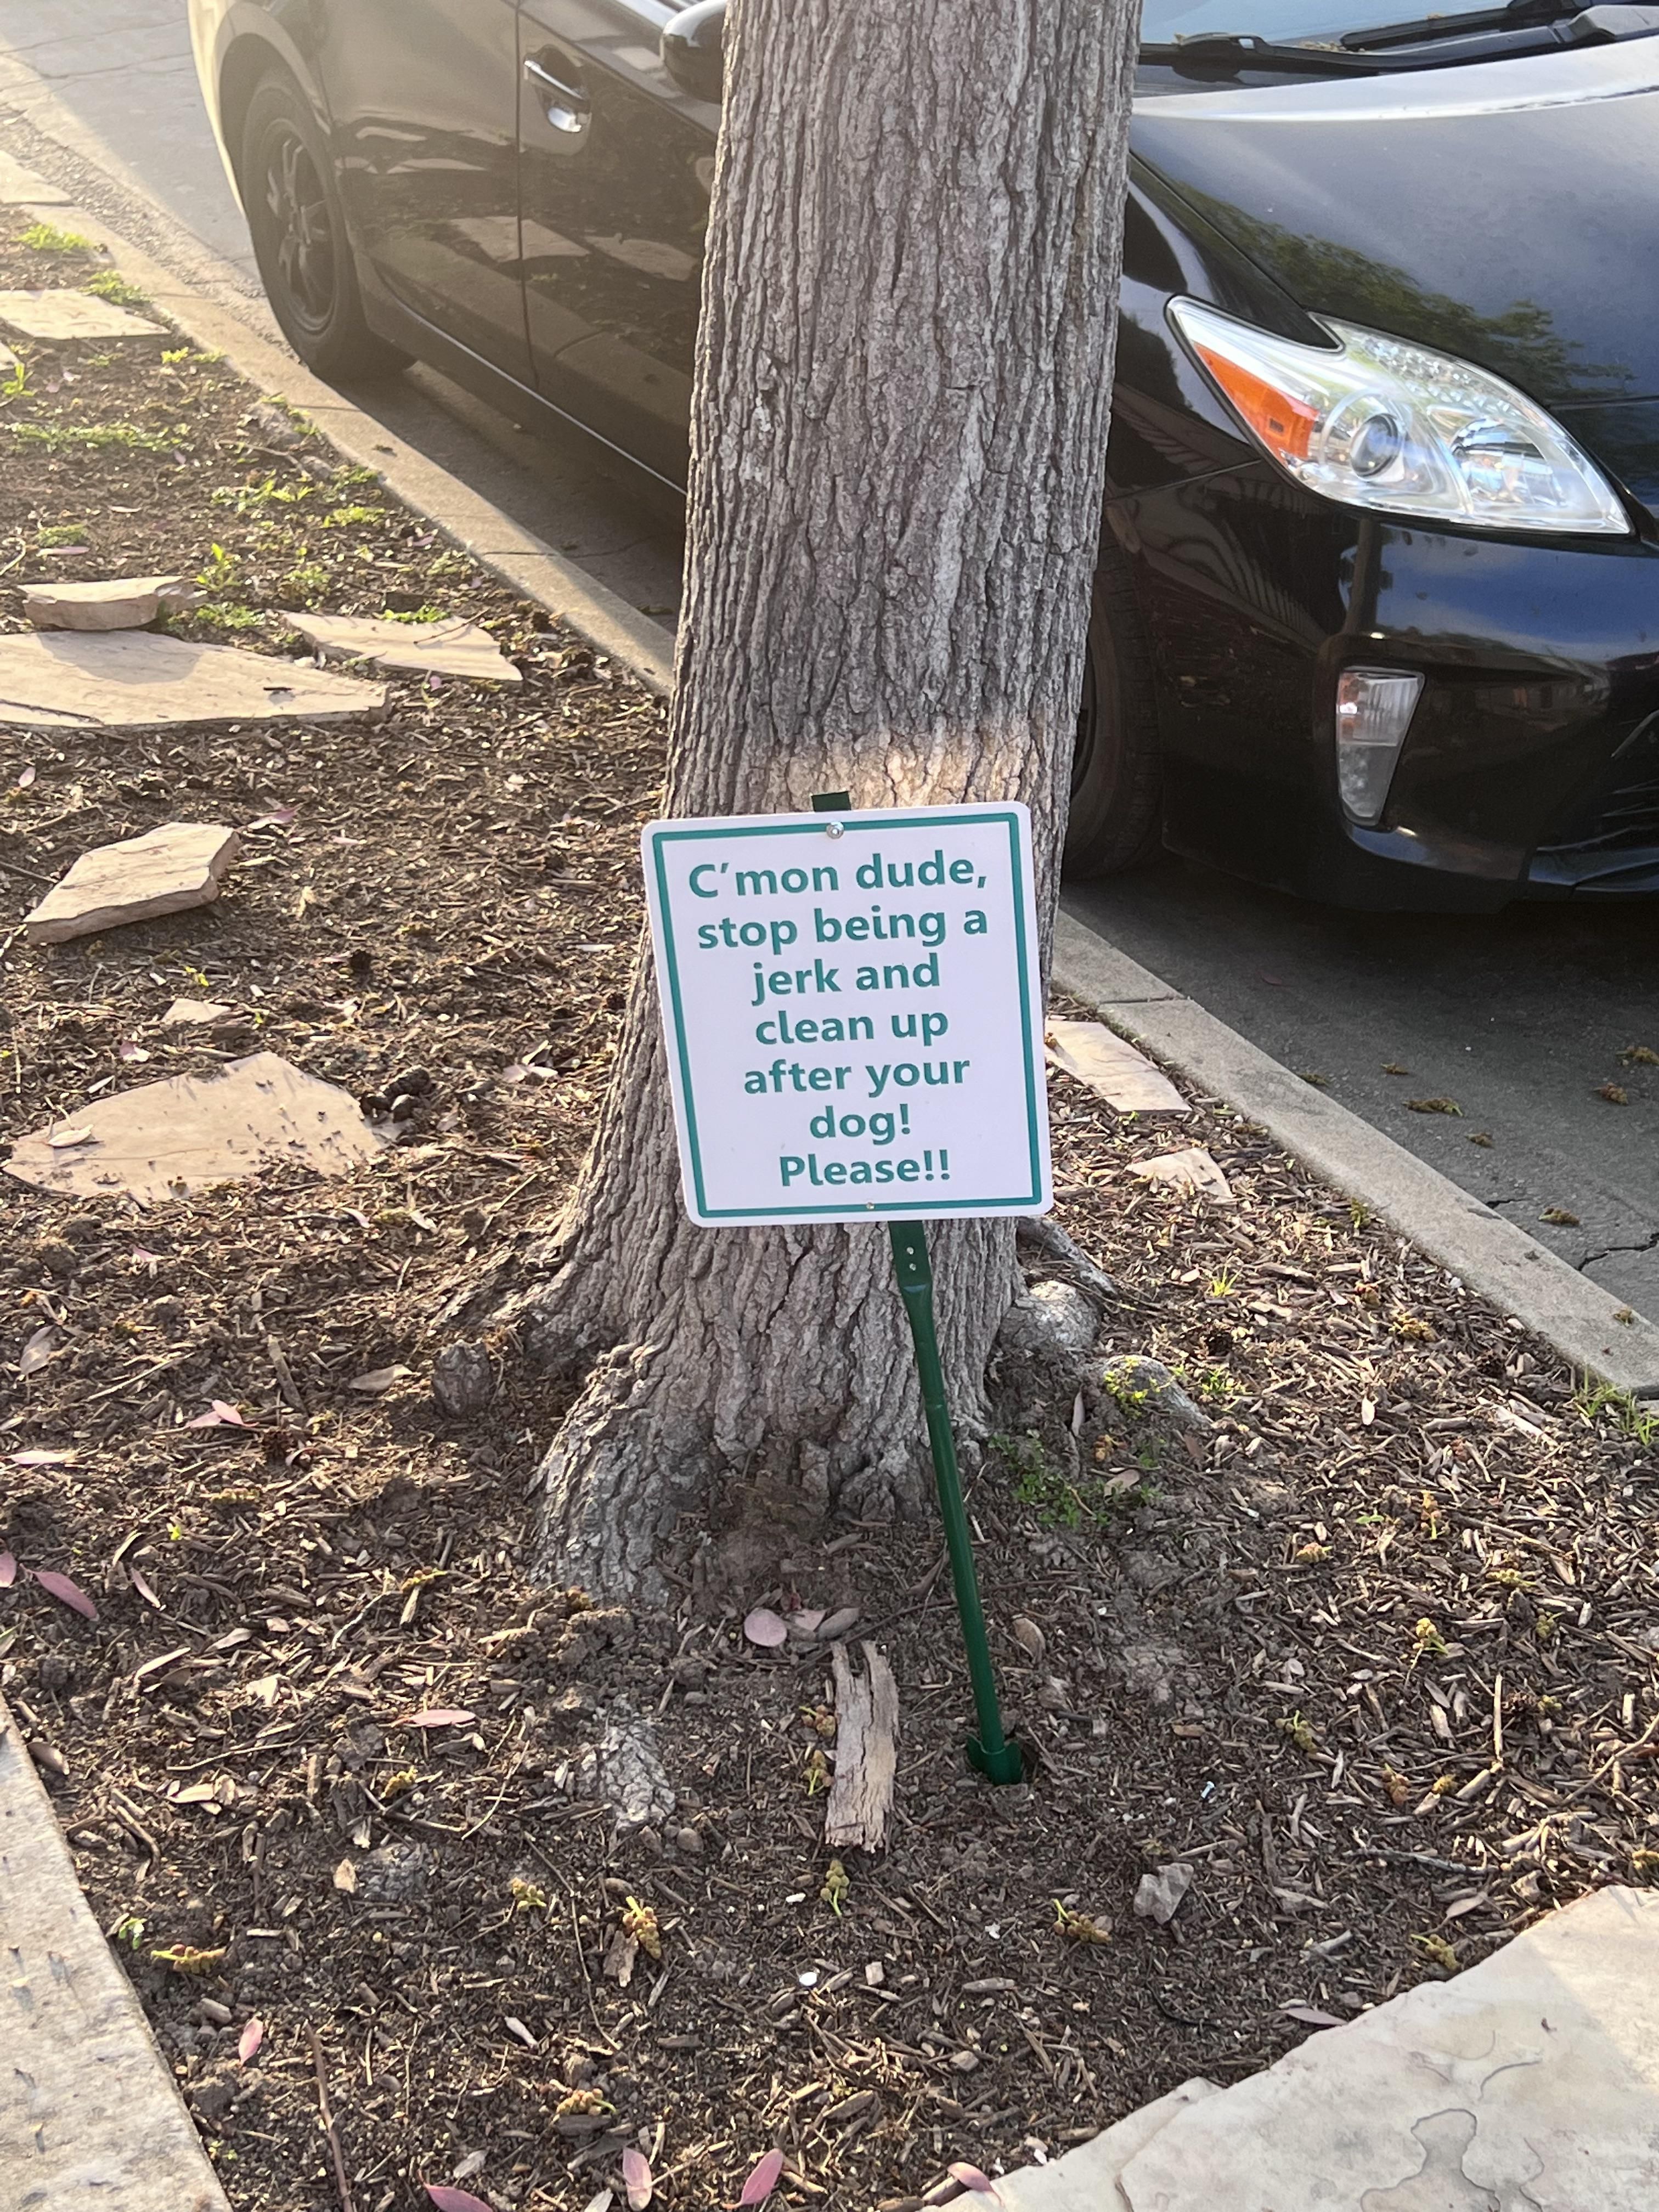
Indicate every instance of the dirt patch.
{"type": "Point", "coordinates": [1373, 1655]}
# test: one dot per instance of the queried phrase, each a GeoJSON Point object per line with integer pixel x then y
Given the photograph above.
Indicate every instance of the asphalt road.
{"type": "Point", "coordinates": [103, 100]}
{"type": "Point", "coordinates": [1519, 1019]}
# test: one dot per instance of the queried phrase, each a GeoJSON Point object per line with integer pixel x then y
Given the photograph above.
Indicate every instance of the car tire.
{"type": "Point", "coordinates": [1116, 820]}
{"type": "Point", "coordinates": [300, 238]}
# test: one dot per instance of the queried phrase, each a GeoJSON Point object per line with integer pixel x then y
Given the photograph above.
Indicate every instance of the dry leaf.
{"type": "Point", "coordinates": [36, 1352]}
{"type": "Point", "coordinates": [1310, 2015]}
{"type": "Point", "coordinates": [376, 1380]}
{"type": "Point", "coordinates": [514, 2026]}
{"type": "Point", "coordinates": [436, 1717]}
{"type": "Point", "coordinates": [452, 2200]}
{"type": "Point", "coordinates": [141, 1584]}
{"type": "Point", "coordinates": [345, 1877]}
{"type": "Point", "coordinates": [1029, 1637]}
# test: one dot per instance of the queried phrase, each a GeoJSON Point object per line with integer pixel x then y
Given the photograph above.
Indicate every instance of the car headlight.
{"type": "Point", "coordinates": [1380, 423]}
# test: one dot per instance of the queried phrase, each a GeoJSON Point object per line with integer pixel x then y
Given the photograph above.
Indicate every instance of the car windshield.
{"type": "Point", "coordinates": [1287, 23]}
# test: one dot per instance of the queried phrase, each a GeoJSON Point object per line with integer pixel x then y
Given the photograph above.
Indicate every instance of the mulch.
{"type": "Point", "coordinates": [1373, 1655]}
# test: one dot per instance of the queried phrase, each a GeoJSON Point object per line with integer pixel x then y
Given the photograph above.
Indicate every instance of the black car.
{"type": "Point", "coordinates": [1376, 614]}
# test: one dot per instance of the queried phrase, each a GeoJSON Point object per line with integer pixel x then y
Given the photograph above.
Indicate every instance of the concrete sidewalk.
{"type": "Point", "coordinates": [1530, 2083]}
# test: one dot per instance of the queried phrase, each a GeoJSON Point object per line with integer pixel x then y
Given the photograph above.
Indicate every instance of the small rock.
{"type": "Point", "coordinates": [126, 603]}
{"type": "Point", "coordinates": [213, 2098]}
{"type": "Point", "coordinates": [394, 1873]}
{"type": "Point", "coordinates": [688, 1840]}
{"type": "Point", "coordinates": [966, 2062]}
{"type": "Point", "coordinates": [1158, 1895]}
{"type": "Point", "coordinates": [463, 1380]}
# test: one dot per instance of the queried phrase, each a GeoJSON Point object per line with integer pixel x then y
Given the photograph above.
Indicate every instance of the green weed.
{"type": "Point", "coordinates": [62, 533]}
{"type": "Point", "coordinates": [1634, 1420]}
{"type": "Point", "coordinates": [250, 499]}
{"type": "Point", "coordinates": [96, 437]}
{"type": "Point", "coordinates": [219, 571]}
{"type": "Point", "coordinates": [343, 517]}
{"type": "Point", "coordinates": [46, 238]}
{"type": "Point", "coordinates": [1055, 1500]}
{"type": "Point", "coordinates": [14, 385]}
{"type": "Point", "coordinates": [227, 615]}
{"type": "Point", "coordinates": [110, 285]}
{"type": "Point", "coordinates": [420, 614]}
{"type": "Point", "coordinates": [305, 580]}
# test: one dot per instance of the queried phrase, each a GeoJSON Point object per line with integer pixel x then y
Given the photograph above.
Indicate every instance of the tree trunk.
{"type": "Point", "coordinates": [898, 439]}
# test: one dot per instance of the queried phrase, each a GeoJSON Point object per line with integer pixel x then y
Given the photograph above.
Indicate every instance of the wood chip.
{"type": "Point", "coordinates": [867, 1752]}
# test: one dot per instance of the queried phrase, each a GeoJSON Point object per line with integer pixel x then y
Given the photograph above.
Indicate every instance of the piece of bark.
{"type": "Point", "coordinates": [1191, 1171]}
{"type": "Point", "coordinates": [1112, 1068]}
{"type": "Point", "coordinates": [166, 1139]}
{"type": "Point", "coordinates": [138, 679]}
{"type": "Point", "coordinates": [166, 870]}
{"type": "Point", "coordinates": [450, 646]}
{"type": "Point", "coordinates": [122, 603]}
{"type": "Point", "coordinates": [867, 1754]}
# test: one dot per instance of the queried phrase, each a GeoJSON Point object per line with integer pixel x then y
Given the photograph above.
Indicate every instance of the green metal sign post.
{"type": "Point", "coordinates": [991, 1752]}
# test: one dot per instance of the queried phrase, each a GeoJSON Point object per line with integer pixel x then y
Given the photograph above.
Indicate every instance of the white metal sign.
{"type": "Point", "coordinates": [852, 1012]}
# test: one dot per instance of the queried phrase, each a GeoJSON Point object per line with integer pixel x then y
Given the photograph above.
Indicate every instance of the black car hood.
{"type": "Point", "coordinates": [1507, 212]}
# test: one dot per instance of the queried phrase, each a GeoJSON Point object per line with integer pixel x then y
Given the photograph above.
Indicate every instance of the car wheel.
{"type": "Point", "coordinates": [1116, 820]}
{"type": "Point", "coordinates": [300, 241]}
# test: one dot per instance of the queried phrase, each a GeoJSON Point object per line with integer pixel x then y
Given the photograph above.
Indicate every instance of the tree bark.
{"type": "Point", "coordinates": [899, 426]}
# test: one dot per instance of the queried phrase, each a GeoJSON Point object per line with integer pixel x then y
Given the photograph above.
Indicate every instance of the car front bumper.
{"type": "Point", "coordinates": [1531, 766]}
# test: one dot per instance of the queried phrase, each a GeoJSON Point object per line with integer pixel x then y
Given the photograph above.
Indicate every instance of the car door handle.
{"type": "Point", "coordinates": [565, 105]}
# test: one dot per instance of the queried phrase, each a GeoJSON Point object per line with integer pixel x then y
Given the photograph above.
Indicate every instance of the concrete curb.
{"type": "Point", "coordinates": [88, 2109]}
{"type": "Point", "coordinates": [1517, 1273]}
{"type": "Point", "coordinates": [521, 560]}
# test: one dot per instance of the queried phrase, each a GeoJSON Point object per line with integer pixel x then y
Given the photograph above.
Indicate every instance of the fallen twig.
{"type": "Point", "coordinates": [330, 2128]}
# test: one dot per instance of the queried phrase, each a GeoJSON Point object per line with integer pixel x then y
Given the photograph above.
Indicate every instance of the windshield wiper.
{"type": "Point", "coordinates": [1524, 26]}
{"type": "Point", "coordinates": [1224, 53]}
{"type": "Point", "coordinates": [1568, 21]}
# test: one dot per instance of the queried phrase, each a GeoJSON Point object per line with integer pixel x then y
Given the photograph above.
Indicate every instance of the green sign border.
{"type": "Point", "coordinates": [851, 827]}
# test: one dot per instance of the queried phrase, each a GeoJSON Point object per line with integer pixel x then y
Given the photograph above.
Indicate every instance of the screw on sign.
{"type": "Point", "coordinates": [853, 1019]}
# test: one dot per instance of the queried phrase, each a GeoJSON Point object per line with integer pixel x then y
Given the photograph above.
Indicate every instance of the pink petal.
{"type": "Point", "coordinates": [42, 1458]}
{"type": "Point", "coordinates": [253, 2036]}
{"type": "Point", "coordinates": [132, 1052]}
{"type": "Point", "coordinates": [452, 2200]}
{"type": "Point", "coordinates": [66, 1593]}
{"type": "Point", "coordinates": [438, 1716]}
{"type": "Point", "coordinates": [970, 2177]}
{"type": "Point", "coordinates": [7, 1570]}
{"type": "Point", "coordinates": [139, 1583]}
{"type": "Point", "coordinates": [220, 1415]}
{"type": "Point", "coordinates": [766, 1628]}
{"type": "Point", "coordinates": [636, 2178]}
{"type": "Point", "coordinates": [763, 2180]}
